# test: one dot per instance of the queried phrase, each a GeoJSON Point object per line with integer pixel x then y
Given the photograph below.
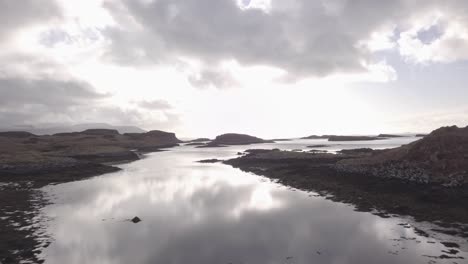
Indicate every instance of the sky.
{"type": "Point", "coordinates": [269, 68]}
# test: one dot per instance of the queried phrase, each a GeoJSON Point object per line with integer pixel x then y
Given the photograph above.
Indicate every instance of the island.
{"type": "Point", "coordinates": [234, 139]}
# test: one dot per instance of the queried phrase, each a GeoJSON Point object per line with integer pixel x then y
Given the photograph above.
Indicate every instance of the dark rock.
{"type": "Point", "coordinates": [439, 158]}
{"type": "Point", "coordinates": [318, 146]}
{"type": "Point", "coordinates": [17, 134]}
{"type": "Point", "coordinates": [421, 135]}
{"type": "Point", "coordinates": [450, 244]}
{"type": "Point", "coordinates": [136, 220]}
{"type": "Point", "coordinates": [369, 193]}
{"type": "Point", "coordinates": [389, 136]}
{"type": "Point", "coordinates": [108, 157]}
{"type": "Point", "coordinates": [210, 161]}
{"type": "Point", "coordinates": [238, 139]}
{"type": "Point", "coordinates": [356, 151]}
{"type": "Point", "coordinates": [154, 134]}
{"type": "Point", "coordinates": [100, 132]}
{"type": "Point", "coordinates": [258, 151]}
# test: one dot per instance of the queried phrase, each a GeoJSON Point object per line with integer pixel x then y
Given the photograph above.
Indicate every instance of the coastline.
{"type": "Point", "coordinates": [382, 196]}
{"type": "Point", "coordinates": [21, 198]}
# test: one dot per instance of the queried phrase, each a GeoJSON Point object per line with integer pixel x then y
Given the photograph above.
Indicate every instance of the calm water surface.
{"type": "Point", "coordinates": [213, 213]}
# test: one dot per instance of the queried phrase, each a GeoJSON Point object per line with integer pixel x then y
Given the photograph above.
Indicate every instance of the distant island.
{"type": "Point", "coordinates": [55, 129]}
{"type": "Point", "coordinates": [352, 138]}
{"type": "Point", "coordinates": [234, 139]}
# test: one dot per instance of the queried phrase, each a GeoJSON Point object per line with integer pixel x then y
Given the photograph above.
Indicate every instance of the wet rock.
{"type": "Point", "coordinates": [318, 146]}
{"type": "Point", "coordinates": [356, 151]}
{"type": "Point", "coordinates": [389, 136]}
{"type": "Point", "coordinates": [209, 161]}
{"type": "Point", "coordinates": [136, 220]}
{"type": "Point", "coordinates": [101, 132]}
{"type": "Point", "coordinates": [450, 244]}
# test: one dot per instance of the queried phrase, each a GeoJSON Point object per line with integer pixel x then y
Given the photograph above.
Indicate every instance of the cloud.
{"type": "Point", "coordinates": [18, 14]}
{"type": "Point", "coordinates": [44, 101]}
{"type": "Point", "coordinates": [154, 105]}
{"type": "Point", "coordinates": [28, 101]}
{"type": "Point", "coordinates": [16, 92]}
{"type": "Point", "coordinates": [305, 38]}
{"type": "Point", "coordinates": [207, 78]}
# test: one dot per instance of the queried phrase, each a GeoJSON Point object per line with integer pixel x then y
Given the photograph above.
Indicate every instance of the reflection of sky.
{"type": "Point", "coordinates": [212, 213]}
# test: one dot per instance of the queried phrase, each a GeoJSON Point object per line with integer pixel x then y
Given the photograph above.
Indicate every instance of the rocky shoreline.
{"type": "Point", "coordinates": [384, 196]}
{"type": "Point", "coordinates": [29, 162]}
{"type": "Point", "coordinates": [425, 179]}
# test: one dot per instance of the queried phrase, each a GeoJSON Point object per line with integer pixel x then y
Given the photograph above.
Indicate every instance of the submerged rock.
{"type": "Point", "coordinates": [136, 220]}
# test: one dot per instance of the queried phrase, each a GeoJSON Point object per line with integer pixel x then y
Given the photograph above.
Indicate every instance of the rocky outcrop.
{"type": "Point", "coordinates": [69, 153]}
{"type": "Point", "coordinates": [389, 136]}
{"type": "Point", "coordinates": [388, 193]}
{"type": "Point", "coordinates": [101, 132]}
{"type": "Point", "coordinates": [440, 158]}
{"type": "Point", "coordinates": [319, 146]}
{"type": "Point", "coordinates": [238, 139]}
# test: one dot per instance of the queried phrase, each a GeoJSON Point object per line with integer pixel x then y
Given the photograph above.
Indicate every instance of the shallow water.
{"type": "Point", "coordinates": [213, 213]}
